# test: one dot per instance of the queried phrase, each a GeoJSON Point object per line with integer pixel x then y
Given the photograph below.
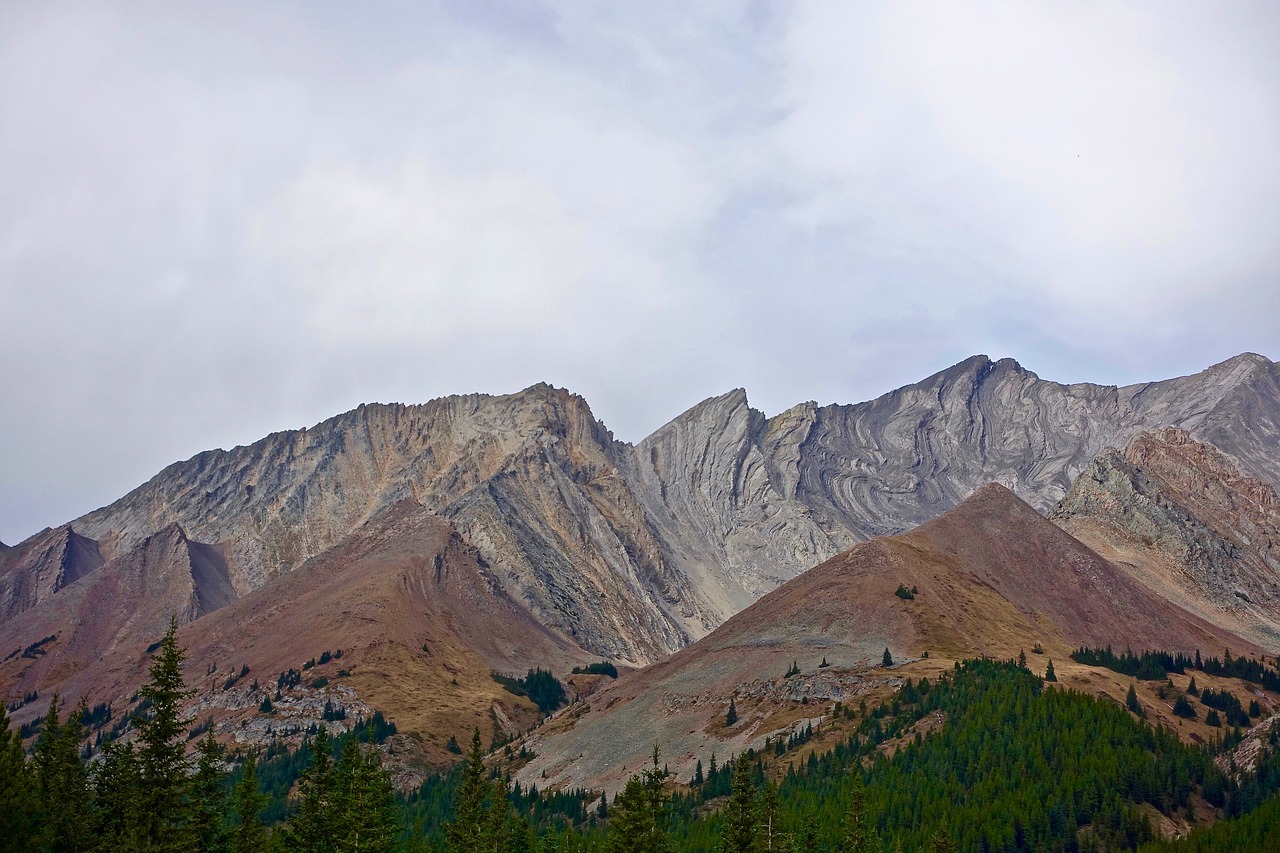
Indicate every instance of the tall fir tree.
{"type": "Point", "coordinates": [118, 797]}
{"type": "Point", "coordinates": [62, 783]}
{"type": "Point", "coordinates": [247, 802]}
{"type": "Point", "coordinates": [1049, 674]}
{"type": "Point", "coordinates": [209, 800]}
{"type": "Point", "coordinates": [167, 824]}
{"type": "Point", "coordinates": [366, 818]}
{"type": "Point", "coordinates": [18, 801]}
{"type": "Point", "coordinates": [740, 813]}
{"type": "Point", "coordinates": [471, 831]}
{"type": "Point", "coordinates": [858, 835]}
{"type": "Point", "coordinates": [314, 828]}
{"type": "Point", "coordinates": [772, 838]}
{"type": "Point", "coordinates": [638, 820]}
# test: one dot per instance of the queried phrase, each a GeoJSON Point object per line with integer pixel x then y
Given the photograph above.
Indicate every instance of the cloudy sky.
{"type": "Point", "coordinates": [220, 220]}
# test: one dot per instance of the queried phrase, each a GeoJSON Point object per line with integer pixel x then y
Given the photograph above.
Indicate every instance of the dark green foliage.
{"type": "Point", "coordinates": [794, 669]}
{"type": "Point", "coordinates": [638, 822]}
{"type": "Point", "coordinates": [1183, 708]}
{"type": "Point", "coordinates": [317, 683]}
{"type": "Point", "coordinates": [161, 756]}
{"type": "Point", "coordinates": [731, 717]}
{"type": "Point", "coordinates": [62, 784]}
{"type": "Point", "coordinates": [1257, 831]}
{"type": "Point", "coordinates": [601, 668]}
{"type": "Point", "coordinates": [1131, 702]}
{"type": "Point", "coordinates": [539, 685]}
{"type": "Point", "coordinates": [904, 593]}
{"type": "Point", "coordinates": [1212, 719]}
{"type": "Point", "coordinates": [1049, 674]}
{"type": "Point", "coordinates": [208, 797]}
{"type": "Point", "coordinates": [453, 746]}
{"type": "Point", "coordinates": [1192, 690]}
{"type": "Point", "coordinates": [471, 830]}
{"type": "Point", "coordinates": [247, 801]}
{"type": "Point", "coordinates": [366, 816]}
{"type": "Point", "coordinates": [740, 813]}
{"type": "Point", "coordinates": [314, 829]}
{"type": "Point", "coordinates": [858, 835]}
{"type": "Point", "coordinates": [824, 663]}
{"type": "Point", "coordinates": [1228, 704]}
{"type": "Point", "coordinates": [17, 792]}
{"type": "Point", "coordinates": [887, 660]}
{"type": "Point", "coordinates": [37, 648]}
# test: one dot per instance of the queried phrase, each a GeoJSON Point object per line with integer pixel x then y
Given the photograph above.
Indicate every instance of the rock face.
{"type": "Point", "coordinates": [991, 576]}
{"type": "Point", "coordinates": [43, 565]}
{"type": "Point", "coordinates": [633, 551]}
{"type": "Point", "coordinates": [1183, 520]}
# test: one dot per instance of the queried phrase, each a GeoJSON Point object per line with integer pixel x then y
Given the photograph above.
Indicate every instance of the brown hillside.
{"type": "Point", "coordinates": [993, 577]}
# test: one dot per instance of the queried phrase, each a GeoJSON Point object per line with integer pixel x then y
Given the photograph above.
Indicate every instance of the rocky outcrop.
{"type": "Point", "coordinates": [1183, 519]}
{"type": "Point", "coordinates": [43, 565]}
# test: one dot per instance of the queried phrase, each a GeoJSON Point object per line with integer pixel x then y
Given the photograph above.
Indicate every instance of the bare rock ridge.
{"type": "Point", "coordinates": [633, 551]}
{"type": "Point", "coordinates": [43, 565]}
{"type": "Point", "coordinates": [1182, 519]}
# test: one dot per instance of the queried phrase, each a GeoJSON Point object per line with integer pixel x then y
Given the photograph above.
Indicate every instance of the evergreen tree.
{"type": "Point", "coordinates": [638, 822]}
{"type": "Point", "coordinates": [209, 802]}
{"type": "Point", "coordinates": [772, 838]}
{"type": "Point", "coordinates": [247, 802]}
{"type": "Point", "coordinates": [1131, 702]}
{"type": "Point", "coordinates": [740, 816]}
{"type": "Point", "coordinates": [367, 820]}
{"type": "Point", "coordinates": [732, 716]}
{"type": "Point", "coordinates": [698, 778]}
{"type": "Point", "coordinates": [941, 842]}
{"type": "Point", "coordinates": [470, 832]}
{"type": "Point", "coordinates": [162, 755]}
{"type": "Point", "coordinates": [314, 829]}
{"type": "Point", "coordinates": [1191, 685]}
{"type": "Point", "coordinates": [17, 791]}
{"type": "Point", "coordinates": [118, 795]}
{"type": "Point", "coordinates": [1022, 659]}
{"type": "Point", "coordinates": [887, 660]}
{"type": "Point", "coordinates": [858, 834]}
{"type": "Point", "coordinates": [62, 784]}
{"type": "Point", "coordinates": [1049, 674]}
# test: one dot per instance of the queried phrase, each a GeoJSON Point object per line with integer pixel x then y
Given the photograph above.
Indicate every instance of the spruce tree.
{"type": "Point", "coordinates": [731, 717]}
{"type": "Point", "coordinates": [1131, 702]}
{"type": "Point", "coordinates": [470, 832]}
{"type": "Point", "coordinates": [209, 801]}
{"type": "Point", "coordinates": [771, 836]}
{"type": "Point", "coordinates": [313, 830]}
{"type": "Point", "coordinates": [366, 803]}
{"type": "Point", "coordinates": [638, 820]}
{"type": "Point", "coordinates": [62, 784]}
{"type": "Point", "coordinates": [162, 754]}
{"type": "Point", "coordinates": [17, 791]}
{"type": "Point", "coordinates": [698, 778]}
{"type": "Point", "coordinates": [1049, 674]}
{"type": "Point", "coordinates": [118, 796]}
{"type": "Point", "coordinates": [887, 660]}
{"type": "Point", "coordinates": [858, 835]}
{"type": "Point", "coordinates": [739, 814]}
{"type": "Point", "coordinates": [247, 803]}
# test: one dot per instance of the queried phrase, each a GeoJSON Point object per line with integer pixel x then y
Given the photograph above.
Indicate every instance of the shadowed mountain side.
{"type": "Point", "coordinates": [992, 577]}
{"type": "Point", "coordinates": [102, 617]}
{"type": "Point", "coordinates": [43, 565]}
{"type": "Point", "coordinates": [1178, 517]}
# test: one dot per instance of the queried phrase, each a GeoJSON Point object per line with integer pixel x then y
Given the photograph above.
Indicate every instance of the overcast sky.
{"type": "Point", "coordinates": [226, 219]}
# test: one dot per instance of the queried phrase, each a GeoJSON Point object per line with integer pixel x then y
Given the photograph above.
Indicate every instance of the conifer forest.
{"type": "Point", "coordinates": [1017, 766]}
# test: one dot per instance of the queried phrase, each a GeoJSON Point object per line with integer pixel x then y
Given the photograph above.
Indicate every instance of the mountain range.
{"type": "Point", "coordinates": [434, 544]}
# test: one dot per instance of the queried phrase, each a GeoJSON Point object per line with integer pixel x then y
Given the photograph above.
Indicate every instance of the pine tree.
{"type": "Point", "coordinates": [731, 717]}
{"type": "Point", "coordinates": [739, 814]}
{"type": "Point", "coordinates": [17, 792]}
{"type": "Point", "coordinates": [314, 829]}
{"type": "Point", "coordinates": [858, 835]}
{"type": "Point", "coordinates": [941, 842]}
{"type": "Point", "coordinates": [366, 818]}
{"type": "Point", "coordinates": [162, 755]}
{"type": "Point", "coordinates": [1191, 686]}
{"type": "Point", "coordinates": [1131, 702]}
{"type": "Point", "coordinates": [209, 802]}
{"type": "Point", "coordinates": [469, 832]}
{"type": "Point", "coordinates": [62, 784]}
{"type": "Point", "coordinates": [771, 836]}
{"type": "Point", "coordinates": [247, 803]}
{"type": "Point", "coordinates": [698, 778]}
{"type": "Point", "coordinates": [887, 660]}
{"type": "Point", "coordinates": [638, 822]}
{"type": "Point", "coordinates": [118, 797]}
{"type": "Point", "coordinates": [1049, 674]}
{"type": "Point", "coordinates": [1022, 659]}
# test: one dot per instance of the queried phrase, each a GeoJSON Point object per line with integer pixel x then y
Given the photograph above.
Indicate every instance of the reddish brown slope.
{"type": "Point", "coordinates": [993, 577]}
{"type": "Point", "coordinates": [419, 620]}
